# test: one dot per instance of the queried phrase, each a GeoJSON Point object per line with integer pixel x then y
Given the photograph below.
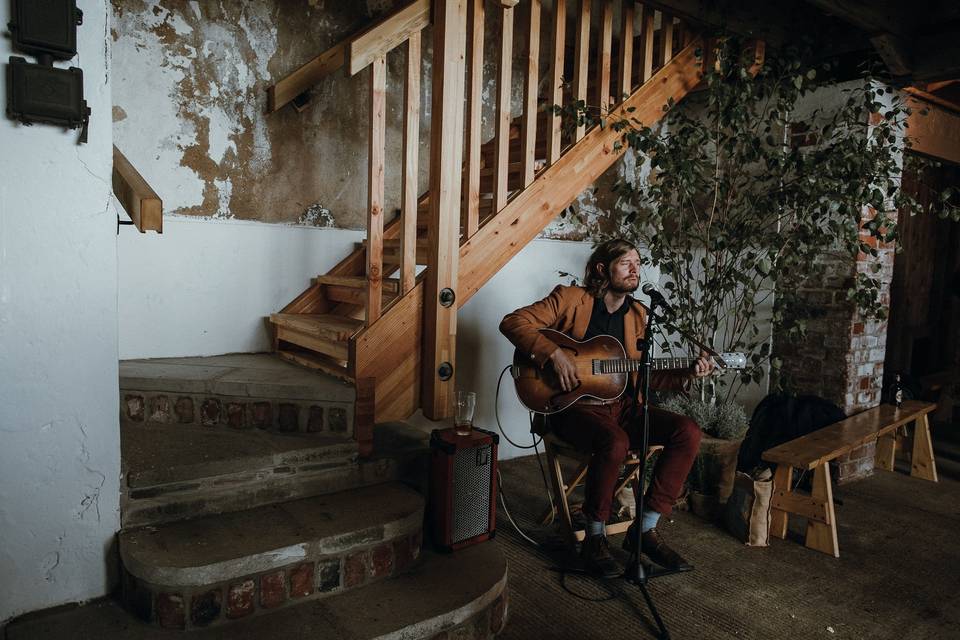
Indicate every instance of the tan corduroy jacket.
{"type": "Point", "coordinates": [568, 310]}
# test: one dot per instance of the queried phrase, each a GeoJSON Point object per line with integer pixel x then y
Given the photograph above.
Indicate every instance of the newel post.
{"type": "Point", "coordinates": [446, 158]}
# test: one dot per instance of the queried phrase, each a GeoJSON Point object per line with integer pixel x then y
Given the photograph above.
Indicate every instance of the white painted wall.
{"type": "Point", "coordinates": [205, 287]}
{"type": "Point", "coordinates": [59, 431]}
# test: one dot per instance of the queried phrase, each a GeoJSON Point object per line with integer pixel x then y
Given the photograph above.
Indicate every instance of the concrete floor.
{"type": "Point", "coordinates": [898, 575]}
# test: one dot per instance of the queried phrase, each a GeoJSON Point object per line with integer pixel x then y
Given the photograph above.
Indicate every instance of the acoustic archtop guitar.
{"type": "Point", "coordinates": [602, 368]}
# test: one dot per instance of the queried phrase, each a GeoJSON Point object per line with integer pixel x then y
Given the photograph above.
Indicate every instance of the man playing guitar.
{"type": "Point", "coordinates": [603, 427]}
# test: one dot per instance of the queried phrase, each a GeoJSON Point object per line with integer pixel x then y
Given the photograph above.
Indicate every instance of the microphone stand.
{"type": "Point", "coordinates": [636, 572]}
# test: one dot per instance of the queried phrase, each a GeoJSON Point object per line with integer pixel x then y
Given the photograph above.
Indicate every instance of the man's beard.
{"type": "Point", "coordinates": [623, 286]}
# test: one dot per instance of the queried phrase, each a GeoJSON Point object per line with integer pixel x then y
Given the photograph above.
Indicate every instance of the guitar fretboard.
{"type": "Point", "coordinates": [626, 365]}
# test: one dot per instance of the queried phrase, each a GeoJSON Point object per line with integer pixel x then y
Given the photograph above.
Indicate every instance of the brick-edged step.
{"type": "Point", "coordinates": [461, 595]}
{"type": "Point", "coordinates": [217, 569]}
{"type": "Point", "coordinates": [174, 472]}
{"type": "Point", "coordinates": [240, 392]}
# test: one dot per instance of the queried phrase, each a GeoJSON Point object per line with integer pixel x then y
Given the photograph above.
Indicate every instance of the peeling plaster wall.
{"type": "Point", "coordinates": [190, 100]}
{"type": "Point", "coordinates": [59, 429]}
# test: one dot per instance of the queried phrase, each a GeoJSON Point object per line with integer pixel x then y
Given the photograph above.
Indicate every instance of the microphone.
{"type": "Point", "coordinates": [656, 298]}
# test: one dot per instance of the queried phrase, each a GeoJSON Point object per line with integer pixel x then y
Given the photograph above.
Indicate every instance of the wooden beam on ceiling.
{"type": "Point", "coordinates": [922, 43]}
{"type": "Point", "coordinates": [875, 16]}
{"type": "Point", "coordinates": [777, 23]}
{"type": "Point", "coordinates": [934, 132]}
{"type": "Point", "coordinates": [936, 56]}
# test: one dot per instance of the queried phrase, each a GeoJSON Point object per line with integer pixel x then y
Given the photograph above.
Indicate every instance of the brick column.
{"type": "Point", "coordinates": [842, 357]}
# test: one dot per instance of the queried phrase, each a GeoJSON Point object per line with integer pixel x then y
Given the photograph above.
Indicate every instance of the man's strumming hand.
{"type": "Point", "coordinates": [566, 369]}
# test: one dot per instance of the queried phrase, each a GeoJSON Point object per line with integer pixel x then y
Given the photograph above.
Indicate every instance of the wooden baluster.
{"type": "Point", "coordinates": [446, 179]}
{"type": "Point", "coordinates": [556, 78]}
{"type": "Point", "coordinates": [626, 51]}
{"type": "Point", "coordinates": [378, 129]}
{"type": "Point", "coordinates": [582, 61]}
{"type": "Point", "coordinates": [529, 134]}
{"type": "Point", "coordinates": [604, 52]}
{"type": "Point", "coordinates": [666, 28]}
{"type": "Point", "coordinates": [647, 26]}
{"type": "Point", "coordinates": [475, 106]}
{"type": "Point", "coordinates": [502, 174]}
{"type": "Point", "coordinates": [411, 152]}
{"type": "Point", "coordinates": [681, 35]}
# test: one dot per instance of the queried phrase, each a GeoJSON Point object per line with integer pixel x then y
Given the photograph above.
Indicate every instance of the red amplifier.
{"type": "Point", "coordinates": [463, 487]}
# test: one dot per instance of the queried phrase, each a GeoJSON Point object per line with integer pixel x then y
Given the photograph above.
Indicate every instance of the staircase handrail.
{"type": "Point", "coordinates": [390, 31]}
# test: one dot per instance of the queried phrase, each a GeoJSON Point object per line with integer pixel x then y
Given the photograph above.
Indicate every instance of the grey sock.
{"type": "Point", "coordinates": [648, 520]}
{"type": "Point", "coordinates": [596, 528]}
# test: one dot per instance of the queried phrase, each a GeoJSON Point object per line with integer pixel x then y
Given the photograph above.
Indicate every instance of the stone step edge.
{"type": "Point", "coordinates": [245, 490]}
{"type": "Point", "coordinates": [482, 615]}
{"type": "Point", "coordinates": [270, 559]}
{"type": "Point", "coordinates": [264, 592]}
{"type": "Point", "coordinates": [487, 612]}
{"type": "Point", "coordinates": [236, 412]}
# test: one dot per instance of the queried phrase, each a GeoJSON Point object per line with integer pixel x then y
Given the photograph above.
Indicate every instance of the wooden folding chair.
{"type": "Point", "coordinates": [562, 488]}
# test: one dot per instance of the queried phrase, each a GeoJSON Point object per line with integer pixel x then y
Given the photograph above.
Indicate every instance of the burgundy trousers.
{"type": "Point", "coordinates": [606, 432]}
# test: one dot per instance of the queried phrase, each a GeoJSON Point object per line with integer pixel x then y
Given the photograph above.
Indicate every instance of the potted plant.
{"type": "Point", "coordinates": [724, 425]}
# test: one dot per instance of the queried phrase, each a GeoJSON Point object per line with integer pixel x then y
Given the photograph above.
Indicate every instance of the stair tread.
{"type": "Point", "coordinates": [440, 593]}
{"type": "Point", "coordinates": [220, 547]}
{"type": "Point", "coordinates": [320, 324]}
{"type": "Point", "coordinates": [245, 375]}
{"type": "Point", "coordinates": [162, 454]}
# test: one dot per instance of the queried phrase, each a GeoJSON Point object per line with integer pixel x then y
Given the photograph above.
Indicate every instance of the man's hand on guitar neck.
{"type": "Point", "coordinates": [566, 369]}
{"type": "Point", "coordinates": [703, 366]}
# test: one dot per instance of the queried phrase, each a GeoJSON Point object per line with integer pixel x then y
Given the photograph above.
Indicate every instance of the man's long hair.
{"type": "Point", "coordinates": [596, 280]}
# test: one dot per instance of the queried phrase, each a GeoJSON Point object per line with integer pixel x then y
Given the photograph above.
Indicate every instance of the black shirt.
{"type": "Point", "coordinates": [604, 323]}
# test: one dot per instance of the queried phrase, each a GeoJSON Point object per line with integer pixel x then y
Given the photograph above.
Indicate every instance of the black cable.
{"type": "Point", "coordinates": [496, 413]}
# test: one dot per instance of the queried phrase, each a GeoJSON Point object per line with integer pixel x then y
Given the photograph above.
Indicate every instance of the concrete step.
{"type": "Point", "coordinates": [460, 595]}
{"type": "Point", "coordinates": [174, 472]}
{"type": "Point", "coordinates": [177, 472]}
{"type": "Point", "coordinates": [235, 392]}
{"type": "Point", "coordinates": [229, 566]}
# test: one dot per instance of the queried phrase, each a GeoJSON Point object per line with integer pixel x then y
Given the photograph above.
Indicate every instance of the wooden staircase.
{"type": "Point", "coordinates": [382, 332]}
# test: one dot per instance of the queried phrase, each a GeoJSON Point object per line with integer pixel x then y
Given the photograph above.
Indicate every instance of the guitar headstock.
{"type": "Point", "coordinates": [731, 360]}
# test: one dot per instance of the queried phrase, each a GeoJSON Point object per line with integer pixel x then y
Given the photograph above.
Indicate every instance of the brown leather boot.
{"type": "Point", "coordinates": [657, 550]}
{"type": "Point", "coordinates": [595, 553]}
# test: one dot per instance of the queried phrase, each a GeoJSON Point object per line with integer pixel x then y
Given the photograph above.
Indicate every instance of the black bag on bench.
{"type": "Point", "coordinates": [779, 418]}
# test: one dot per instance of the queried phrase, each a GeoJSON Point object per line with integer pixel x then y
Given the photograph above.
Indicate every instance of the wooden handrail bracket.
{"type": "Point", "coordinates": [139, 200]}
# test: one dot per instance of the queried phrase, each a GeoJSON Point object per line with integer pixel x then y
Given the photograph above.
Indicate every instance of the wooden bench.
{"type": "Point", "coordinates": [815, 450]}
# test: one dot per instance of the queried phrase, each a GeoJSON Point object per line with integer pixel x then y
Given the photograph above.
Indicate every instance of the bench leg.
{"type": "Point", "coordinates": [886, 451]}
{"type": "Point", "coordinates": [823, 536]}
{"type": "Point", "coordinates": [923, 464]}
{"type": "Point", "coordinates": [781, 484]}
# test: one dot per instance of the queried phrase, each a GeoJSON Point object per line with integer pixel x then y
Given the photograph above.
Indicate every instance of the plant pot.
{"type": "Point", "coordinates": [719, 460]}
{"type": "Point", "coordinates": [704, 505]}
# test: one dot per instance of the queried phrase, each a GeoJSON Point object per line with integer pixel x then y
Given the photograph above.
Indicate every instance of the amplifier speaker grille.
{"type": "Point", "coordinates": [471, 488]}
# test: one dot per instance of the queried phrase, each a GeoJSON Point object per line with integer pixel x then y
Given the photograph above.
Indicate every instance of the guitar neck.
{"type": "Point", "coordinates": [627, 365]}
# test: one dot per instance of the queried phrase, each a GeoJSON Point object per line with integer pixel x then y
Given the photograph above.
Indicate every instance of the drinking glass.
{"type": "Point", "coordinates": [466, 404]}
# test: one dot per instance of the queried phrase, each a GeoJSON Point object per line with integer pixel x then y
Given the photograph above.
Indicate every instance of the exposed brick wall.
{"type": "Point", "coordinates": [235, 413]}
{"type": "Point", "coordinates": [842, 356]}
